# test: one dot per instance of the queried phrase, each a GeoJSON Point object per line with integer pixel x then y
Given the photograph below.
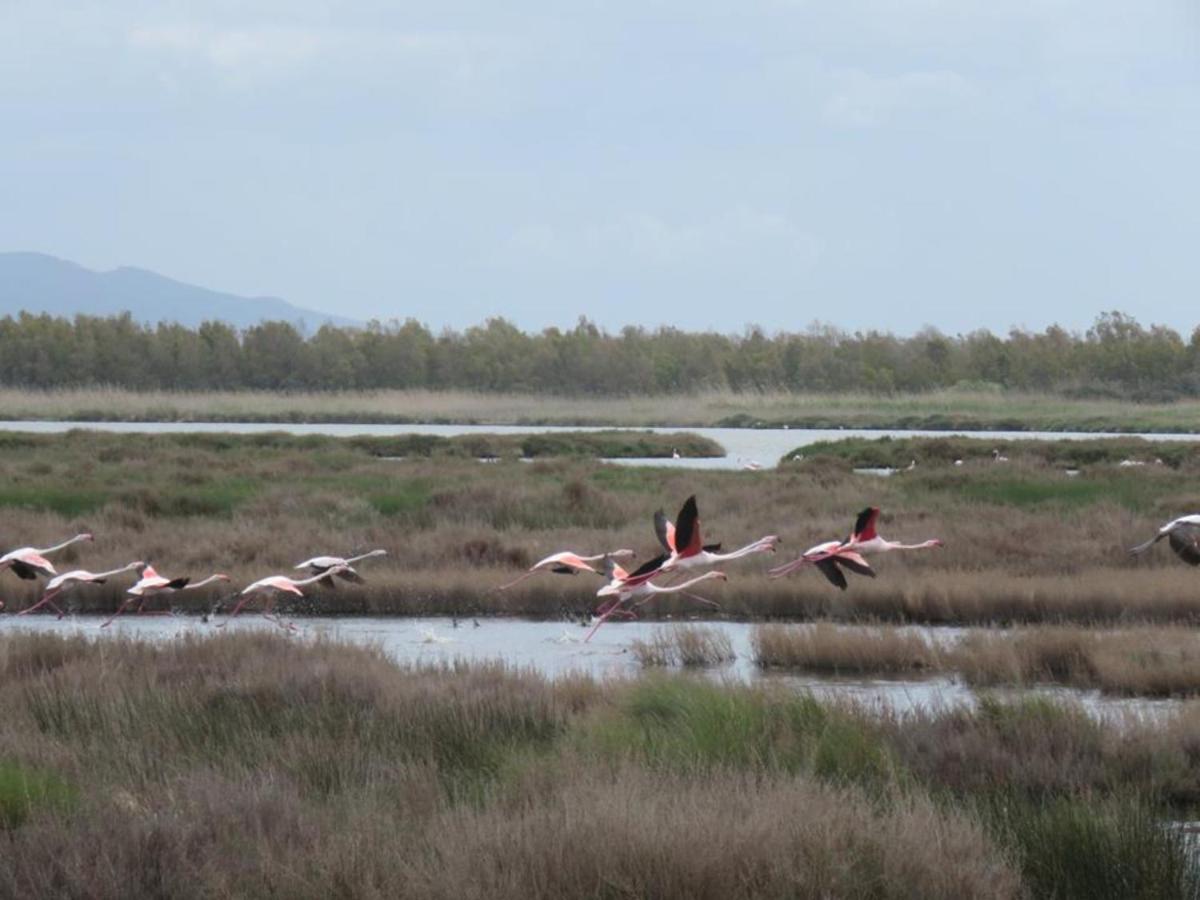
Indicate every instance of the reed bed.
{"type": "Point", "coordinates": [1141, 661]}
{"type": "Point", "coordinates": [1024, 546]}
{"type": "Point", "coordinates": [253, 764]}
{"type": "Point", "coordinates": [689, 646]}
{"type": "Point", "coordinates": [828, 648]}
{"type": "Point", "coordinates": [956, 409]}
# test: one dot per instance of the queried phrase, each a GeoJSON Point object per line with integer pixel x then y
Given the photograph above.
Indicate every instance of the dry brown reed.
{"type": "Point", "coordinates": [835, 649]}
{"type": "Point", "coordinates": [455, 529]}
{"type": "Point", "coordinates": [690, 646]}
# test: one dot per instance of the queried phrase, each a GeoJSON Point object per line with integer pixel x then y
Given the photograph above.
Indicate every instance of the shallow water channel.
{"type": "Point", "coordinates": [744, 447]}
{"type": "Point", "coordinates": [557, 648]}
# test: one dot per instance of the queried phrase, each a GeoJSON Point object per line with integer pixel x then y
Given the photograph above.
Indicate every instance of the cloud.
{"type": "Point", "coordinates": [862, 100]}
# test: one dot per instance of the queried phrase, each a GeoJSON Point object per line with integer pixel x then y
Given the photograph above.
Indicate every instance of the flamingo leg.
{"type": "Point", "coordinates": [237, 609]}
{"type": "Point", "coordinates": [604, 618]}
{"type": "Point", "coordinates": [47, 598]}
{"type": "Point", "coordinates": [711, 603]}
{"type": "Point", "coordinates": [120, 609]}
{"type": "Point", "coordinates": [529, 574]}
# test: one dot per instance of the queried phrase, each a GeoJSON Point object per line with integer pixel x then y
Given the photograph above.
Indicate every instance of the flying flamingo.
{"type": "Point", "coordinates": [59, 583]}
{"type": "Point", "coordinates": [829, 558]}
{"type": "Point", "coordinates": [151, 583]}
{"type": "Point", "coordinates": [318, 565]}
{"type": "Point", "coordinates": [865, 539]}
{"type": "Point", "coordinates": [568, 563]}
{"type": "Point", "coordinates": [1184, 536]}
{"type": "Point", "coordinates": [624, 587]}
{"type": "Point", "coordinates": [29, 562]}
{"type": "Point", "coordinates": [832, 556]}
{"type": "Point", "coordinates": [686, 548]}
{"type": "Point", "coordinates": [273, 585]}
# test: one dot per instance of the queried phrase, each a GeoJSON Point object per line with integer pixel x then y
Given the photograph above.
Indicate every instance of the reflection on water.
{"type": "Point", "coordinates": [556, 649]}
{"type": "Point", "coordinates": [743, 446]}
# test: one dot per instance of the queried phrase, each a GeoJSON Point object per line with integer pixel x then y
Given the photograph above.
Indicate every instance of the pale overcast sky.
{"type": "Point", "coordinates": [867, 163]}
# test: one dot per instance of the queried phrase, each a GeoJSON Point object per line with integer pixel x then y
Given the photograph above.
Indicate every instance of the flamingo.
{"type": "Point", "coordinates": [30, 562]}
{"type": "Point", "coordinates": [151, 583]}
{"type": "Point", "coordinates": [59, 583]}
{"type": "Point", "coordinates": [686, 548]}
{"type": "Point", "coordinates": [568, 563]}
{"type": "Point", "coordinates": [272, 585]}
{"type": "Point", "coordinates": [1184, 536]}
{"type": "Point", "coordinates": [320, 564]}
{"type": "Point", "coordinates": [865, 539]}
{"type": "Point", "coordinates": [830, 558]}
{"type": "Point", "coordinates": [624, 587]}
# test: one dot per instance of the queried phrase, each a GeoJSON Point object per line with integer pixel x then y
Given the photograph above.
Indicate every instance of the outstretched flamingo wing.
{"type": "Point", "coordinates": [21, 570]}
{"type": "Point", "coordinates": [1185, 541]}
{"type": "Point", "coordinates": [855, 563]}
{"type": "Point", "coordinates": [829, 569]}
{"type": "Point", "coordinates": [664, 531]}
{"type": "Point", "coordinates": [864, 526]}
{"type": "Point", "coordinates": [644, 572]}
{"type": "Point", "coordinates": [687, 529]}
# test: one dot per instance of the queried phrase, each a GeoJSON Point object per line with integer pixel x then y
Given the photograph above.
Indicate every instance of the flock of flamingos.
{"type": "Point", "coordinates": [683, 548]}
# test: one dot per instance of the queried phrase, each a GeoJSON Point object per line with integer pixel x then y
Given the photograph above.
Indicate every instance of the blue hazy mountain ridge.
{"type": "Point", "coordinates": [39, 283]}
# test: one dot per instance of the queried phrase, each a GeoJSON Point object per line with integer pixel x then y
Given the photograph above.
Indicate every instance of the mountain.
{"type": "Point", "coordinates": [38, 283]}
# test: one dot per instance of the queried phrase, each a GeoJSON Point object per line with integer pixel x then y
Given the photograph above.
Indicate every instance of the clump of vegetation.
{"type": "Point", "coordinates": [690, 646]}
{"type": "Point", "coordinates": [252, 764]}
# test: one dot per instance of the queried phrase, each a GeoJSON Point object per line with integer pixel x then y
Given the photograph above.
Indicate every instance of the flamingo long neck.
{"type": "Point", "coordinates": [367, 555]}
{"type": "Point", "coordinates": [209, 580]}
{"type": "Point", "coordinates": [128, 568]}
{"type": "Point", "coordinates": [65, 544]}
{"type": "Point", "coordinates": [312, 580]}
{"type": "Point", "coordinates": [683, 585]}
{"type": "Point", "coordinates": [896, 545]}
{"type": "Point", "coordinates": [760, 546]}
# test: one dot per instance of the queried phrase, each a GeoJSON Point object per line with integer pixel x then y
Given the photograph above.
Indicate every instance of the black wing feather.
{"type": "Point", "coordinates": [830, 570]}
{"type": "Point", "coordinates": [686, 524]}
{"type": "Point", "coordinates": [648, 567]}
{"type": "Point", "coordinates": [23, 571]}
{"type": "Point", "coordinates": [1185, 541]}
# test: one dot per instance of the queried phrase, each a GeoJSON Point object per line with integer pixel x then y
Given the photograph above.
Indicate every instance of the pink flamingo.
{"type": "Point", "coordinates": [151, 583]}
{"type": "Point", "coordinates": [687, 549]}
{"type": "Point", "coordinates": [318, 565]}
{"type": "Point", "coordinates": [832, 556]}
{"type": "Point", "coordinates": [865, 539]}
{"type": "Point", "coordinates": [829, 558]}
{"type": "Point", "coordinates": [60, 583]}
{"type": "Point", "coordinates": [568, 563]}
{"type": "Point", "coordinates": [623, 587]}
{"type": "Point", "coordinates": [272, 586]}
{"type": "Point", "coordinates": [29, 562]}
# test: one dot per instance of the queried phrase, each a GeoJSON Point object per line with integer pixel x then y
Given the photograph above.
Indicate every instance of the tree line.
{"type": "Point", "coordinates": [1115, 357]}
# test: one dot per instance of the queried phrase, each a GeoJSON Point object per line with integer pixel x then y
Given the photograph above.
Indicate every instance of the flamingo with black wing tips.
{"type": "Point", "coordinates": [319, 565]}
{"type": "Point", "coordinates": [688, 550]}
{"type": "Point", "coordinates": [270, 587]}
{"type": "Point", "coordinates": [623, 587]}
{"type": "Point", "coordinates": [30, 562]}
{"type": "Point", "coordinates": [833, 556]}
{"type": "Point", "coordinates": [568, 563]}
{"type": "Point", "coordinates": [829, 558]}
{"type": "Point", "coordinates": [865, 539]}
{"type": "Point", "coordinates": [60, 583]}
{"type": "Point", "coordinates": [1184, 536]}
{"type": "Point", "coordinates": [151, 583]}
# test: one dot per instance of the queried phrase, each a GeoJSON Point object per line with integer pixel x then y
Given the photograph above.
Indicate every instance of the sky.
{"type": "Point", "coordinates": [871, 164]}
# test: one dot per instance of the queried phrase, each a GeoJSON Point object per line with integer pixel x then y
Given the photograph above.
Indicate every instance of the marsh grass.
{"type": "Point", "coordinates": [253, 764]}
{"type": "Point", "coordinates": [946, 409]}
{"type": "Point", "coordinates": [1138, 661]}
{"type": "Point", "coordinates": [689, 646]}
{"type": "Point", "coordinates": [454, 529]}
{"type": "Point", "coordinates": [836, 650]}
